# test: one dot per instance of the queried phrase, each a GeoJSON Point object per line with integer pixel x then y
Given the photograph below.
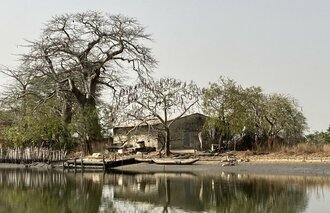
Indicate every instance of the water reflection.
{"type": "Point", "coordinates": [50, 191]}
{"type": "Point", "coordinates": [227, 193]}
{"type": "Point", "coordinates": [46, 191]}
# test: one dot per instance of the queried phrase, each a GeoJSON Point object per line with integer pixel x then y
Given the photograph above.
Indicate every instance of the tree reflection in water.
{"type": "Point", "coordinates": [46, 191]}
{"type": "Point", "coordinates": [227, 193]}
{"type": "Point", "coordinates": [50, 191]}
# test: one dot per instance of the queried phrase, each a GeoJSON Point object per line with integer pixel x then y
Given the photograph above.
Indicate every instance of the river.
{"type": "Point", "coordinates": [28, 190]}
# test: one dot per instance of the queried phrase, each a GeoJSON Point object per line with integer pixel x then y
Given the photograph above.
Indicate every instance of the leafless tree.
{"type": "Point", "coordinates": [14, 95]}
{"type": "Point", "coordinates": [161, 101]}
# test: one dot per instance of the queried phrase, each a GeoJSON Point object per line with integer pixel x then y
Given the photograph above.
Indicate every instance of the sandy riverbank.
{"type": "Point", "coordinates": [213, 167]}
{"type": "Point", "coordinates": [317, 164]}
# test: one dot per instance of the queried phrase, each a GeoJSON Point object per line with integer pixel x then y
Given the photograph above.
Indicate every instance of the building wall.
{"type": "Point", "coordinates": [142, 133]}
{"type": "Point", "coordinates": [184, 133]}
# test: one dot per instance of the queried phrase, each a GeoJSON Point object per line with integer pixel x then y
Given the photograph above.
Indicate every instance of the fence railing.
{"type": "Point", "coordinates": [30, 154]}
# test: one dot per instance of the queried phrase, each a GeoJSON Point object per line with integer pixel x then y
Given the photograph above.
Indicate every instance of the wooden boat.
{"type": "Point", "coordinates": [144, 160]}
{"type": "Point", "coordinates": [171, 161]}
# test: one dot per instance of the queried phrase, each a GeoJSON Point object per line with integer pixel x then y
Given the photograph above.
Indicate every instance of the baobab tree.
{"type": "Point", "coordinates": [80, 54]}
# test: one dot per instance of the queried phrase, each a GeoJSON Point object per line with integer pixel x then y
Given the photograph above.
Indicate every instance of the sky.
{"type": "Point", "coordinates": [282, 46]}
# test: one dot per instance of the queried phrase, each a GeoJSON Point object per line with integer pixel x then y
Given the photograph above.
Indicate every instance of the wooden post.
{"type": "Point", "coordinates": [75, 164]}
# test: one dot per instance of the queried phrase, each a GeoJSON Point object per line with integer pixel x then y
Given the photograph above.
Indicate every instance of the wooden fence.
{"type": "Point", "coordinates": [30, 154]}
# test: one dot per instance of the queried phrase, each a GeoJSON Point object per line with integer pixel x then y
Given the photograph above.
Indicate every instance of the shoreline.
{"type": "Point", "coordinates": [283, 168]}
{"type": "Point", "coordinates": [25, 166]}
{"type": "Point", "coordinates": [264, 165]}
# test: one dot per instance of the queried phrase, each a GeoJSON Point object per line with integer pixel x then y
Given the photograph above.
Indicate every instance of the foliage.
{"type": "Point", "coordinates": [283, 118]}
{"type": "Point", "coordinates": [86, 124]}
{"type": "Point", "coordinates": [319, 137]}
{"type": "Point", "coordinates": [39, 126]}
{"type": "Point", "coordinates": [226, 104]}
{"type": "Point", "coordinates": [234, 110]}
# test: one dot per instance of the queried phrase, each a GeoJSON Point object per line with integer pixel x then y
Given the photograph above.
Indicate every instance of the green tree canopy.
{"type": "Point", "coordinates": [234, 110]}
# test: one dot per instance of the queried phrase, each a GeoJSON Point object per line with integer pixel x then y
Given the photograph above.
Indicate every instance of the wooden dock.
{"type": "Point", "coordinates": [96, 164]}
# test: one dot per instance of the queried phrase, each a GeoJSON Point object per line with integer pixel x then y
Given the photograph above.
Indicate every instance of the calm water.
{"type": "Point", "coordinates": [49, 191]}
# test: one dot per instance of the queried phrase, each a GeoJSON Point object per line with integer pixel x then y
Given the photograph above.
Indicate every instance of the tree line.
{"type": "Point", "coordinates": [89, 71]}
{"type": "Point", "coordinates": [249, 113]}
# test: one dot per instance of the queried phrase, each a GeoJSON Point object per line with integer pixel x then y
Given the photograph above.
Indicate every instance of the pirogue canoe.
{"type": "Point", "coordinates": [171, 161]}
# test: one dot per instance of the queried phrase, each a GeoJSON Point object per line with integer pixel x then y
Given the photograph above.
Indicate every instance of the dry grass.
{"type": "Point", "coordinates": [302, 152]}
{"type": "Point", "coordinates": [305, 148]}
{"type": "Point", "coordinates": [326, 148]}
{"type": "Point", "coordinates": [298, 149]}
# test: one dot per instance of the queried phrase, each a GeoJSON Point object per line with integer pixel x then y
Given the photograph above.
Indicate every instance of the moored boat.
{"type": "Point", "coordinates": [171, 161]}
{"type": "Point", "coordinates": [143, 160]}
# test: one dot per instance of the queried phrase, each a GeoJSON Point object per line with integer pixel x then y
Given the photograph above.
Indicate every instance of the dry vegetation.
{"type": "Point", "coordinates": [300, 152]}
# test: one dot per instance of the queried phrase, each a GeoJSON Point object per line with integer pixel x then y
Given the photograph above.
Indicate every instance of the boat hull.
{"type": "Point", "coordinates": [165, 161]}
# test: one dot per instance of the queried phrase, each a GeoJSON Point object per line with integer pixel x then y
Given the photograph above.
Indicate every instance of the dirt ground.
{"type": "Point", "coordinates": [316, 164]}
{"type": "Point", "coordinates": [317, 157]}
{"type": "Point", "coordinates": [207, 168]}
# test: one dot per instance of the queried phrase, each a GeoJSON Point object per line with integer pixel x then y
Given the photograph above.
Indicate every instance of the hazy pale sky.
{"type": "Point", "coordinates": [282, 46]}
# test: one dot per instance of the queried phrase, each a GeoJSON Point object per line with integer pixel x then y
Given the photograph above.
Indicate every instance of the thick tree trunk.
{"type": "Point", "coordinates": [89, 127]}
{"type": "Point", "coordinates": [66, 112]}
{"type": "Point", "coordinates": [66, 119]}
